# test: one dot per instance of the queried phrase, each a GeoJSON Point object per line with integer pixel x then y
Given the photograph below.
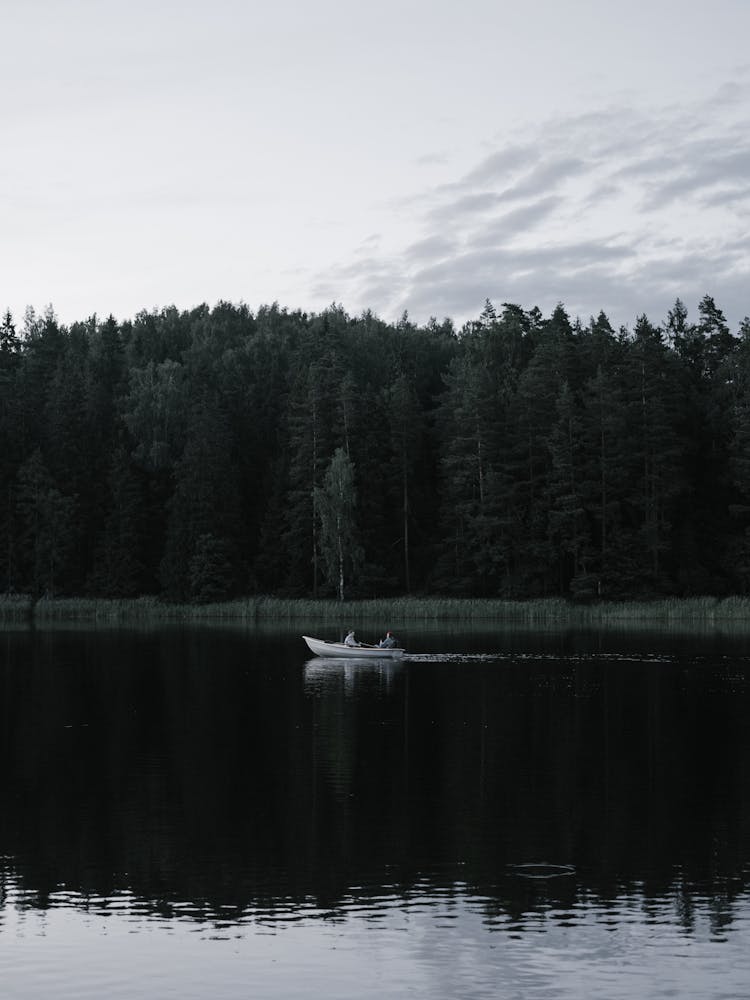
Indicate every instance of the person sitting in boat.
{"type": "Point", "coordinates": [389, 642]}
{"type": "Point", "coordinates": [350, 640]}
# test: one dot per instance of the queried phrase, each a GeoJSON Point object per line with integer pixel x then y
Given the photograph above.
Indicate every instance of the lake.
{"type": "Point", "coordinates": [209, 812]}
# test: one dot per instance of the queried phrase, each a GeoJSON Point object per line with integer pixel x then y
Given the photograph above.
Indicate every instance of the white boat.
{"type": "Point", "coordinates": [322, 648]}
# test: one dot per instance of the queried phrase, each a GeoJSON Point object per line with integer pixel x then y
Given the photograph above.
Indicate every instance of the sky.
{"type": "Point", "coordinates": [417, 155]}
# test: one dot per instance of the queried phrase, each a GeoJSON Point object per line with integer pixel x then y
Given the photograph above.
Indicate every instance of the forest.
{"type": "Point", "coordinates": [205, 454]}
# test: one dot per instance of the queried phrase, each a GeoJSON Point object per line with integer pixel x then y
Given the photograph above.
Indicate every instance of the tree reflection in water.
{"type": "Point", "coordinates": [206, 773]}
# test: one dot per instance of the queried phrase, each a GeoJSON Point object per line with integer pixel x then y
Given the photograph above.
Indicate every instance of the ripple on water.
{"type": "Point", "coordinates": [437, 941]}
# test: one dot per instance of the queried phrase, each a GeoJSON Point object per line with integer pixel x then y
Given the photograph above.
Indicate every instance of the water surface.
{"type": "Point", "coordinates": [195, 812]}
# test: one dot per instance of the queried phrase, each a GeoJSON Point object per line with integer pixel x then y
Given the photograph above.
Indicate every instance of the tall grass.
{"type": "Point", "coordinates": [402, 609]}
{"type": "Point", "coordinates": [15, 607]}
{"type": "Point", "coordinates": [704, 609]}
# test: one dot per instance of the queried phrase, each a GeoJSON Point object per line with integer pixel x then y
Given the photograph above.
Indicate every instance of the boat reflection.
{"type": "Point", "coordinates": [332, 673]}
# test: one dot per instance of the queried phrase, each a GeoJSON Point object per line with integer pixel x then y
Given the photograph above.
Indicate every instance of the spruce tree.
{"type": "Point", "coordinates": [656, 457]}
{"type": "Point", "coordinates": [119, 566]}
{"type": "Point", "coordinates": [204, 505]}
{"type": "Point", "coordinates": [45, 515]}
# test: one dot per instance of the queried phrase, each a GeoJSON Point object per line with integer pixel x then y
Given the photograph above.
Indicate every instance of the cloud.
{"type": "Point", "coordinates": [467, 205]}
{"type": "Point", "coordinates": [541, 179]}
{"type": "Point", "coordinates": [545, 177]}
{"type": "Point", "coordinates": [430, 159]}
{"type": "Point", "coordinates": [498, 167]}
{"type": "Point", "coordinates": [731, 94]}
{"type": "Point", "coordinates": [702, 173]}
{"type": "Point", "coordinates": [518, 220]}
{"type": "Point", "coordinates": [369, 243]}
{"type": "Point", "coordinates": [435, 247]}
{"type": "Point", "coordinates": [617, 209]}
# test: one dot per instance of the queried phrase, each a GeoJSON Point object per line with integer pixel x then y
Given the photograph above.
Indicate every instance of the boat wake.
{"type": "Point", "coordinates": [451, 657]}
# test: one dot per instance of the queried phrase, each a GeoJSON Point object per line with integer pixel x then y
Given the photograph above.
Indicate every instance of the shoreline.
{"type": "Point", "coordinates": [251, 610]}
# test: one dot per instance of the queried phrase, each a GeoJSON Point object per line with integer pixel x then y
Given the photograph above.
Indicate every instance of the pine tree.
{"type": "Point", "coordinates": [104, 377]}
{"type": "Point", "coordinates": [656, 455]}
{"type": "Point", "coordinates": [11, 445]}
{"type": "Point", "coordinates": [205, 504]}
{"type": "Point", "coordinates": [154, 411]}
{"type": "Point", "coordinates": [467, 425]}
{"type": "Point", "coordinates": [566, 513]}
{"type": "Point", "coordinates": [406, 426]}
{"type": "Point", "coordinates": [310, 423]}
{"type": "Point", "coordinates": [713, 329]}
{"type": "Point", "coordinates": [212, 570]}
{"type": "Point", "coordinates": [44, 344]}
{"type": "Point", "coordinates": [739, 452]}
{"type": "Point", "coordinates": [706, 350]}
{"type": "Point", "coordinates": [532, 415]}
{"type": "Point", "coordinates": [119, 567]}
{"type": "Point", "coordinates": [604, 479]}
{"type": "Point", "coordinates": [45, 516]}
{"type": "Point", "coordinates": [474, 421]}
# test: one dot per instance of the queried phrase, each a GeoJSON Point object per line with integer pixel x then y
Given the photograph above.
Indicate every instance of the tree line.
{"type": "Point", "coordinates": [214, 452]}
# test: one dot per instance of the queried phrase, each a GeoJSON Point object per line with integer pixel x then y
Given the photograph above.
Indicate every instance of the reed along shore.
{"type": "Point", "coordinates": [704, 610]}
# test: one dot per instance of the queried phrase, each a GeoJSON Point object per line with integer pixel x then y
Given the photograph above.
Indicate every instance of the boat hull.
{"type": "Point", "coordinates": [340, 650]}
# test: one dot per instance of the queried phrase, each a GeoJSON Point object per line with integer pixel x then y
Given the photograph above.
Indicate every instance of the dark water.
{"type": "Point", "coordinates": [211, 813]}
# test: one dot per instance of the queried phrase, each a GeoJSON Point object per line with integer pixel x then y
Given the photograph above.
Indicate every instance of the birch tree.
{"type": "Point", "coordinates": [335, 502]}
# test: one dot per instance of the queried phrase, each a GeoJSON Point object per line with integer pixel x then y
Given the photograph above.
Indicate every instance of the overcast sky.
{"type": "Point", "coordinates": [406, 154]}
